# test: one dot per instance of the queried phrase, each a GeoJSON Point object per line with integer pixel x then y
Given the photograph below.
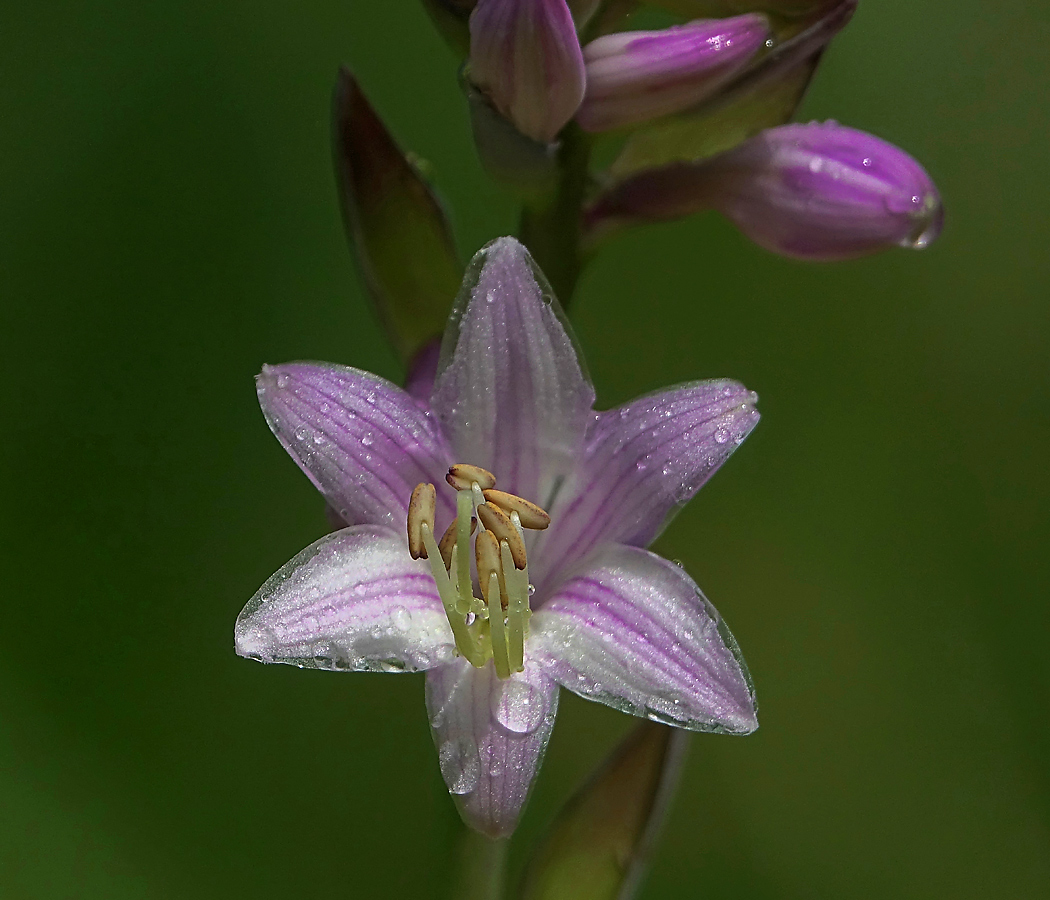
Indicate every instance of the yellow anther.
{"type": "Point", "coordinates": [498, 522]}
{"type": "Point", "coordinates": [530, 514]}
{"type": "Point", "coordinates": [463, 476]}
{"type": "Point", "coordinates": [448, 541]}
{"type": "Point", "coordinates": [486, 550]}
{"type": "Point", "coordinates": [420, 510]}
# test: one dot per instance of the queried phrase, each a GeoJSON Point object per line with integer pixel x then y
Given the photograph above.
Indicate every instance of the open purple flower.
{"type": "Point", "coordinates": [580, 604]}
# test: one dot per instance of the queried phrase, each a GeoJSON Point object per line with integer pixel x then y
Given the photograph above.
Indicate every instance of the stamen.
{"type": "Point", "coordinates": [465, 641]}
{"type": "Point", "coordinates": [486, 549]}
{"type": "Point", "coordinates": [496, 626]}
{"type": "Point", "coordinates": [461, 476]}
{"type": "Point", "coordinates": [517, 609]}
{"type": "Point", "coordinates": [497, 630]}
{"type": "Point", "coordinates": [530, 514]}
{"type": "Point", "coordinates": [496, 520]}
{"type": "Point", "coordinates": [420, 512]}
{"type": "Point", "coordinates": [448, 540]}
{"type": "Point", "coordinates": [464, 508]}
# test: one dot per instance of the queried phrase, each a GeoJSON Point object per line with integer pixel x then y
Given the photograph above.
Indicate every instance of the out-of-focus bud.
{"type": "Point", "coordinates": [399, 233]}
{"type": "Point", "coordinates": [694, 8]}
{"type": "Point", "coordinates": [815, 192]}
{"type": "Point", "coordinates": [525, 56]}
{"type": "Point", "coordinates": [633, 77]}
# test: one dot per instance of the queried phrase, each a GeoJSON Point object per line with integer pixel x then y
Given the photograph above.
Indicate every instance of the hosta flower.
{"type": "Point", "coordinates": [529, 514]}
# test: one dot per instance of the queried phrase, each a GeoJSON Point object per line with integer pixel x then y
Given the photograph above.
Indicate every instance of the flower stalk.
{"type": "Point", "coordinates": [552, 228]}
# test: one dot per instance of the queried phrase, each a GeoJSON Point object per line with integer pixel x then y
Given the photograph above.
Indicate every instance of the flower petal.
{"type": "Point", "coordinates": [490, 736]}
{"type": "Point", "coordinates": [511, 394]}
{"type": "Point", "coordinates": [633, 631]}
{"type": "Point", "coordinates": [361, 440]}
{"type": "Point", "coordinates": [353, 600]}
{"type": "Point", "coordinates": [641, 463]}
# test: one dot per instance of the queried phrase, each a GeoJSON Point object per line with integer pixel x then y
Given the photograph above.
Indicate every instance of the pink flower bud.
{"type": "Point", "coordinates": [816, 192]}
{"type": "Point", "coordinates": [525, 56]}
{"type": "Point", "coordinates": [633, 77]}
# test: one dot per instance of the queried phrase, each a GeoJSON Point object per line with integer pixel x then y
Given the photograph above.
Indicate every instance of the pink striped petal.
{"type": "Point", "coordinates": [490, 736]}
{"type": "Point", "coordinates": [354, 600]}
{"type": "Point", "coordinates": [362, 441]}
{"type": "Point", "coordinates": [641, 463]}
{"type": "Point", "coordinates": [633, 631]}
{"type": "Point", "coordinates": [511, 395]}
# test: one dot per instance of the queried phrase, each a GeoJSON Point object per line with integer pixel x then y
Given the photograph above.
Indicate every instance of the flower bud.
{"type": "Point", "coordinates": [633, 77]}
{"type": "Point", "coordinates": [816, 192]}
{"type": "Point", "coordinates": [525, 56]}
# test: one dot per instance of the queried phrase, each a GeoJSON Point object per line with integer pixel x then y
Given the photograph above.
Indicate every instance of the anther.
{"type": "Point", "coordinates": [499, 524]}
{"type": "Point", "coordinates": [530, 514]}
{"type": "Point", "coordinates": [463, 476]}
{"type": "Point", "coordinates": [448, 541]}
{"type": "Point", "coordinates": [486, 549]}
{"type": "Point", "coordinates": [420, 510]}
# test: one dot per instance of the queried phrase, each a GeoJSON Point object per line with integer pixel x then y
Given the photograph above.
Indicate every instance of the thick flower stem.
{"type": "Point", "coordinates": [552, 229]}
{"type": "Point", "coordinates": [481, 867]}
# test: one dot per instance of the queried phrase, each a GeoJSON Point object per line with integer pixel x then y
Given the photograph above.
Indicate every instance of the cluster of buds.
{"type": "Point", "coordinates": [495, 625]}
{"type": "Point", "coordinates": [701, 105]}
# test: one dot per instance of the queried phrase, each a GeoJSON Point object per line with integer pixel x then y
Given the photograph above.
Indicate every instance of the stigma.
{"type": "Point", "coordinates": [495, 625]}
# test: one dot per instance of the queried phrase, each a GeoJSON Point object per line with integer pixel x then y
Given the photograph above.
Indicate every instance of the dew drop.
{"type": "Point", "coordinates": [282, 382]}
{"type": "Point", "coordinates": [402, 619]}
{"type": "Point", "coordinates": [367, 440]}
{"type": "Point", "coordinates": [460, 766]}
{"type": "Point", "coordinates": [301, 434]}
{"type": "Point", "coordinates": [518, 707]}
{"type": "Point", "coordinates": [721, 434]}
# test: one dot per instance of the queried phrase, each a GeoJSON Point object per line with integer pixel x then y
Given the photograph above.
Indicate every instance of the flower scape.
{"type": "Point", "coordinates": [496, 535]}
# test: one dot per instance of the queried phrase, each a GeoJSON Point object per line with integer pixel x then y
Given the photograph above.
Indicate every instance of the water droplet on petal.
{"type": "Point", "coordinates": [460, 766]}
{"type": "Point", "coordinates": [367, 440]}
{"type": "Point", "coordinates": [401, 618]}
{"type": "Point", "coordinates": [518, 707]}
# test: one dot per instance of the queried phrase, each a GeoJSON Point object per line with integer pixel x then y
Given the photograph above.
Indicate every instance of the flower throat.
{"type": "Point", "coordinates": [496, 625]}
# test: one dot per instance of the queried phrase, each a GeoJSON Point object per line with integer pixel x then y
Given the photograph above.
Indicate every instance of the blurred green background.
{"type": "Point", "coordinates": [168, 223]}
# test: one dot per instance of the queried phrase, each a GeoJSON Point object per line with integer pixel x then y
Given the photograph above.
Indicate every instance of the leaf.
{"type": "Point", "coordinates": [398, 231]}
{"type": "Point", "coordinates": [599, 845]}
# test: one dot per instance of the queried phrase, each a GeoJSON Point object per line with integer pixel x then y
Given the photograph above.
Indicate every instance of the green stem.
{"type": "Point", "coordinates": [552, 229]}
{"type": "Point", "coordinates": [482, 863]}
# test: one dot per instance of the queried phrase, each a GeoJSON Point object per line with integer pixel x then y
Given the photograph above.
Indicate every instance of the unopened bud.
{"type": "Point", "coordinates": [463, 477]}
{"type": "Point", "coordinates": [633, 77]}
{"type": "Point", "coordinates": [525, 56]}
{"type": "Point", "coordinates": [420, 512]}
{"type": "Point", "coordinates": [816, 192]}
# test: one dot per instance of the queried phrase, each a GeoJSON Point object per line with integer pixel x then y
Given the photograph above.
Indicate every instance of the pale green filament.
{"type": "Point", "coordinates": [467, 644]}
{"type": "Point", "coordinates": [497, 629]}
{"type": "Point", "coordinates": [517, 594]}
{"type": "Point", "coordinates": [464, 512]}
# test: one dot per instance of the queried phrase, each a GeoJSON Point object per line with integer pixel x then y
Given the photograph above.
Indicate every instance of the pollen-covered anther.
{"type": "Point", "coordinates": [529, 514]}
{"type": "Point", "coordinates": [420, 510]}
{"type": "Point", "coordinates": [463, 477]}
{"type": "Point", "coordinates": [496, 521]}
{"type": "Point", "coordinates": [448, 541]}
{"type": "Point", "coordinates": [487, 556]}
